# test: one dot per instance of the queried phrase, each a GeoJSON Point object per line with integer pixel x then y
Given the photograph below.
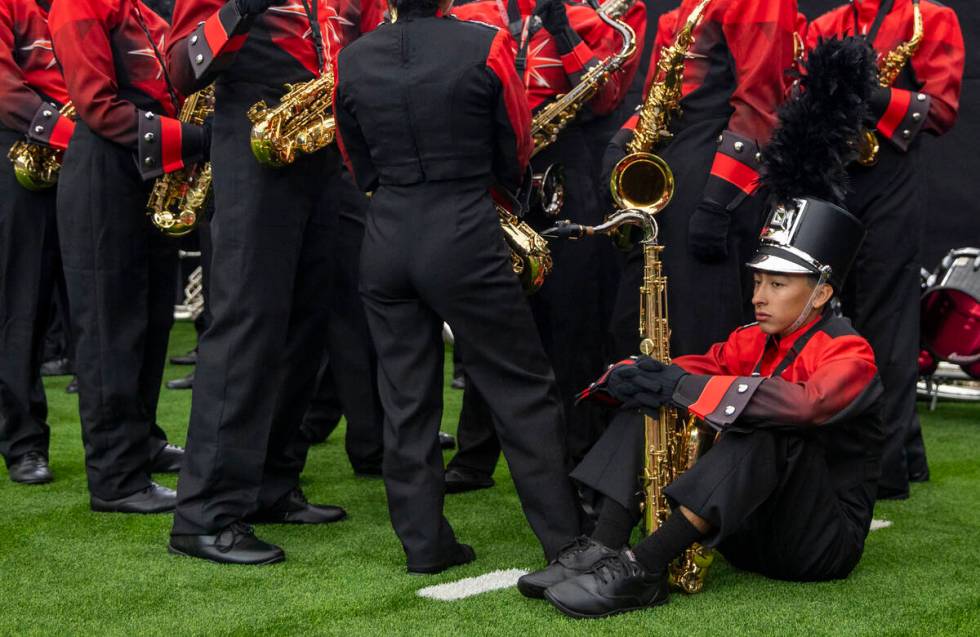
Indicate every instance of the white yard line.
{"type": "Point", "coordinates": [471, 586]}
{"type": "Point", "coordinates": [880, 524]}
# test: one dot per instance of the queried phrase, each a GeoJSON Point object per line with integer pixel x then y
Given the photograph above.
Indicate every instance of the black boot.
{"type": "Point", "coordinates": [235, 544]}
{"type": "Point", "coordinates": [574, 559]}
{"type": "Point", "coordinates": [615, 585]}
{"type": "Point", "coordinates": [153, 499]}
{"type": "Point", "coordinates": [31, 468]}
{"type": "Point", "coordinates": [295, 509]}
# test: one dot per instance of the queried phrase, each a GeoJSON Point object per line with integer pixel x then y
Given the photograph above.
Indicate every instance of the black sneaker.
{"type": "Point", "coordinates": [575, 558]}
{"type": "Point", "coordinates": [616, 584]}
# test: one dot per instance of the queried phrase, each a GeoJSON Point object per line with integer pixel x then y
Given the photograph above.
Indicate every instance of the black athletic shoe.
{"type": "Point", "coordinates": [30, 468]}
{"type": "Point", "coordinates": [168, 460]}
{"type": "Point", "coordinates": [235, 544]}
{"type": "Point", "coordinates": [296, 510]}
{"type": "Point", "coordinates": [616, 584]}
{"type": "Point", "coordinates": [464, 554]}
{"type": "Point", "coordinates": [460, 480]}
{"type": "Point", "coordinates": [153, 499]}
{"type": "Point", "coordinates": [575, 558]}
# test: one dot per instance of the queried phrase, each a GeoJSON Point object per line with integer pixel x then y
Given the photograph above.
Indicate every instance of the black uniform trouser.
{"type": "Point", "coordinates": [881, 297]}
{"type": "Point", "coordinates": [349, 372]}
{"type": "Point", "coordinates": [257, 361]}
{"type": "Point", "coordinates": [119, 272]}
{"type": "Point", "coordinates": [567, 311]}
{"type": "Point", "coordinates": [29, 265]}
{"type": "Point", "coordinates": [434, 252]}
{"type": "Point", "coordinates": [768, 495]}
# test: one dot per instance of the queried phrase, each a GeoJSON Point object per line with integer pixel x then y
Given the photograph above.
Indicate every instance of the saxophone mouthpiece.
{"type": "Point", "coordinates": [566, 230]}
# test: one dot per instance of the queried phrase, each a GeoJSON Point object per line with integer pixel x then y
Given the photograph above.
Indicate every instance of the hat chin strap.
{"type": "Point", "coordinates": [805, 314]}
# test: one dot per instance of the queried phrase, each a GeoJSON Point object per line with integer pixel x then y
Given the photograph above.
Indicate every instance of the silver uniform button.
{"type": "Point", "coordinates": [742, 388]}
{"type": "Point", "coordinates": [916, 117]}
{"type": "Point", "coordinates": [47, 114]}
{"type": "Point", "coordinates": [906, 133]}
{"type": "Point", "coordinates": [721, 138]}
{"type": "Point", "coordinates": [149, 137]}
{"type": "Point", "coordinates": [38, 129]}
{"type": "Point", "coordinates": [193, 39]}
{"type": "Point", "coordinates": [199, 58]}
{"type": "Point", "coordinates": [921, 97]}
{"type": "Point", "coordinates": [739, 147]}
{"type": "Point", "coordinates": [148, 161]}
{"type": "Point", "coordinates": [729, 410]}
{"type": "Point", "coordinates": [149, 115]}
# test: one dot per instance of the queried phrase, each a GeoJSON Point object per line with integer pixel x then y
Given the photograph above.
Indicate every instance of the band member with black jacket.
{"type": "Point", "coordinates": [431, 113]}
{"type": "Point", "coordinates": [119, 270]}
{"type": "Point", "coordinates": [31, 92]}
{"type": "Point", "coordinates": [883, 296]}
{"type": "Point", "coordinates": [272, 236]}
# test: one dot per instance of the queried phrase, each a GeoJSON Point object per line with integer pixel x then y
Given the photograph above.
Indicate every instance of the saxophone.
{"type": "Point", "coordinates": [303, 122]}
{"type": "Point", "coordinates": [530, 256]}
{"type": "Point", "coordinates": [178, 198]}
{"type": "Point", "coordinates": [36, 166]}
{"type": "Point", "coordinates": [888, 71]}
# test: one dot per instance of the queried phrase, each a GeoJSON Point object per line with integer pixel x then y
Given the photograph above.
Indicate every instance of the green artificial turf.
{"type": "Point", "coordinates": [65, 570]}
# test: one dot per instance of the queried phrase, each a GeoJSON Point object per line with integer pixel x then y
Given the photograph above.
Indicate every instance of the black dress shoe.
{"type": "Point", "coordinates": [296, 510]}
{"type": "Point", "coordinates": [574, 559]}
{"type": "Point", "coordinates": [190, 358]}
{"type": "Point", "coordinates": [887, 493]}
{"type": "Point", "coordinates": [169, 460]}
{"type": "Point", "coordinates": [72, 387]}
{"type": "Point", "coordinates": [464, 554]}
{"type": "Point", "coordinates": [615, 585]}
{"type": "Point", "coordinates": [235, 544]}
{"type": "Point", "coordinates": [153, 499]}
{"type": "Point", "coordinates": [460, 480]}
{"type": "Point", "coordinates": [446, 441]}
{"type": "Point", "coordinates": [30, 468]}
{"type": "Point", "coordinates": [458, 383]}
{"type": "Point", "coordinates": [56, 367]}
{"type": "Point", "coordinates": [919, 476]}
{"type": "Point", "coordinates": [187, 382]}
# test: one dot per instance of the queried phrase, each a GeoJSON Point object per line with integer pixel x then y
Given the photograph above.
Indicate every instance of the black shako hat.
{"type": "Point", "coordinates": [809, 236]}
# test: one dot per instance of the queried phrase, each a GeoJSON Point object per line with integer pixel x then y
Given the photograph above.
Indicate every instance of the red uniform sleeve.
{"type": "Point", "coordinates": [204, 38]}
{"type": "Point", "coordinates": [18, 101]}
{"type": "Point", "coordinates": [513, 115]}
{"type": "Point", "coordinates": [760, 39]}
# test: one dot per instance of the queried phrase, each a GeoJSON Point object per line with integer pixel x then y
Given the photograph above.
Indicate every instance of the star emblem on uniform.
{"type": "Point", "coordinates": [44, 45]}
{"type": "Point", "coordinates": [150, 53]}
{"type": "Point", "coordinates": [536, 62]}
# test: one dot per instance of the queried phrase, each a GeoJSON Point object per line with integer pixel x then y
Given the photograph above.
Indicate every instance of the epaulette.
{"type": "Point", "coordinates": [476, 22]}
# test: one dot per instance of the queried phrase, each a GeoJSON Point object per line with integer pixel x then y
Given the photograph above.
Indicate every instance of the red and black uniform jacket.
{"type": "Point", "coordinates": [736, 70]}
{"type": "Point", "coordinates": [32, 88]}
{"type": "Point", "coordinates": [926, 95]}
{"type": "Point", "coordinates": [210, 38]}
{"type": "Point", "coordinates": [553, 65]}
{"type": "Point", "coordinates": [821, 379]}
{"type": "Point", "coordinates": [428, 99]}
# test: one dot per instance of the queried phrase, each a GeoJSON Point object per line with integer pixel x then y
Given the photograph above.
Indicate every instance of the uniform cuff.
{"type": "Point", "coordinates": [166, 144]}
{"type": "Point", "coordinates": [735, 171]}
{"type": "Point", "coordinates": [717, 400]}
{"type": "Point", "coordinates": [50, 127]}
{"type": "Point", "coordinates": [577, 58]}
{"type": "Point", "coordinates": [901, 114]}
{"type": "Point", "coordinates": [222, 33]}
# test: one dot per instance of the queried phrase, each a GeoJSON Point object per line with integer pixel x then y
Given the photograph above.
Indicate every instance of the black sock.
{"type": "Point", "coordinates": [669, 541]}
{"type": "Point", "coordinates": [614, 525]}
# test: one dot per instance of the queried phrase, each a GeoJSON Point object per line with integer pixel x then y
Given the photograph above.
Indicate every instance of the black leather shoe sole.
{"type": "Point", "coordinates": [577, 615]}
{"type": "Point", "coordinates": [216, 559]}
{"type": "Point", "coordinates": [35, 477]}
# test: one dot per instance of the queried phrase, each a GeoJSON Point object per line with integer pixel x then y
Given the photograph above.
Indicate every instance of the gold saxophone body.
{"type": "Point", "coordinates": [530, 255]}
{"type": "Point", "coordinates": [36, 166]}
{"type": "Point", "coordinates": [888, 71]}
{"type": "Point", "coordinates": [303, 122]}
{"type": "Point", "coordinates": [178, 198]}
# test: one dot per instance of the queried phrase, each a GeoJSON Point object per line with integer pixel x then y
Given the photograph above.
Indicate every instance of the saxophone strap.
{"type": "Point", "coordinates": [312, 15]}
{"type": "Point", "coordinates": [522, 29]}
{"type": "Point", "coordinates": [156, 52]}
{"type": "Point", "coordinates": [883, 10]}
{"type": "Point", "coordinates": [794, 351]}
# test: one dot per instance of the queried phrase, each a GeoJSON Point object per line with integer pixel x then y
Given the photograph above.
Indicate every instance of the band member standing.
{"type": "Point", "coordinates": [119, 270]}
{"type": "Point", "coordinates": [272, 235]}
{"type": "Point", "coordinates": [31, 92]}
{"type": "Point", "coordinates": [555, 43]}
{"type": "Point", "coordinates": [883, 297]}
{"type": "Point", "coordinates": [431, 113]}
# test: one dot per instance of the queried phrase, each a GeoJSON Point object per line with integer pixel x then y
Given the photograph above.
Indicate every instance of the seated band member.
{"type": "Point", "coordinates": [788, 488]}
{"type": "Point", "coordinates": [430, 114]}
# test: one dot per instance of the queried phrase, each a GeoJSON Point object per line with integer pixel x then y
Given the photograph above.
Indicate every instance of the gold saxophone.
{"type": "Point", "coordinates": [36, 166]}
{"type": "Point", "coordinates": [888, 71]}
{"type": "Point", "coordinates": [303, 122]}
{"type": "Point", "coordinates": [178, 198]}
{"type": "Point", "coordinates": [530, 255]}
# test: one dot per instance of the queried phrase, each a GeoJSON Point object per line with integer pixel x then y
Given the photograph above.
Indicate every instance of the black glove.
{"type": "Point", "coordinates": [255, 7]}
{"type": "Point", "coordinates": [649, 384]}
{"type": "Point", "coordinates": [553, 16]}
{"type": "Point", "coordinates": [708, 232]}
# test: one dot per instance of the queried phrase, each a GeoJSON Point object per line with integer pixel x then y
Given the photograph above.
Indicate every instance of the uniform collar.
{"type": "Point", "coordinates": [867, 10]}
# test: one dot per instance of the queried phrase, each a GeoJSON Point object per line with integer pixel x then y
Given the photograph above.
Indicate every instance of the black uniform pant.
{"type": "Point", "coordinates": [567, 311]}
{"type": "Point", "coordinates": [120, 274]}
{"type": "Point", "coordinates": [258, 360]}
{"type": "Point", "coordinates": [434, 252]}
{"type": "Point", "coordinates": [30, 262]}
{"type": "Point", "coordinates": [881, 297]}
{"type": "Point", "coordinates": [348, 374]}
{"type": "Point", "coordinates": [768, 495]}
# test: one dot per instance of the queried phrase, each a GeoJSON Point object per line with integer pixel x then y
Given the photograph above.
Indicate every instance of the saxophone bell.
{"type": "Point", "coordinates": [642, 181]}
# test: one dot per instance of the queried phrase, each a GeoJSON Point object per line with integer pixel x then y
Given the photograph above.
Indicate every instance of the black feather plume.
{"type": "Point", "coordinates": [818, 126]}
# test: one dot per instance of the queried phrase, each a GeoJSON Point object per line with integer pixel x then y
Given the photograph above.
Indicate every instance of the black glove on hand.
{"type": "Point", "coordinates": [708, 232]}
{"type": "Point", "coordinates": [553, 16]}
{"type": "Point", "coordinates": [255, 7]}
{"type": "Point", "coordinates": [649, 384]}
